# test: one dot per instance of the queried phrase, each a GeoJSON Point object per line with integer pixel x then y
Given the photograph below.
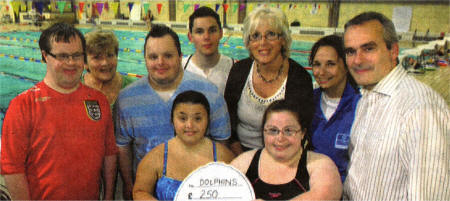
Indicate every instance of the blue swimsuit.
{"type": "Point", "coordinates": [166, 187]}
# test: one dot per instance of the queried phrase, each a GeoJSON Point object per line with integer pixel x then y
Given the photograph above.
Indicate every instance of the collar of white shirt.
{"type": "Point", "coordinates": [389, 83]}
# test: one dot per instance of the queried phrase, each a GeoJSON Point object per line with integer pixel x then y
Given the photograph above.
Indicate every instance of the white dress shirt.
{"type": "Point", "coordinates": [400, 146]}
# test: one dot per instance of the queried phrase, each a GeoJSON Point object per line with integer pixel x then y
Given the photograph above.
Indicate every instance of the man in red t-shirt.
{"type": "Point", "coordinates": [58, 136]}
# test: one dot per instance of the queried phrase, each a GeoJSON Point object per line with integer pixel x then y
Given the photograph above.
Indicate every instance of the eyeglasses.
{"type": "Point", "coordinates": [287, 131]}
{"type": "Point", "coordinates": [270, 35]}
{"type": "Point", "coordinates": [63, 57]}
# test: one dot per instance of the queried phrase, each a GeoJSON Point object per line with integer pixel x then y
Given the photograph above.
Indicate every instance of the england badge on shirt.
{"type": "Point", "coordinates": [93, 109]}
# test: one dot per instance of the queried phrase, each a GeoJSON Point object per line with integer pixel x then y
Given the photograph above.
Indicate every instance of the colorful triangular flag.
{"type": "Point", "coordinates": [61, 5]}
{"type": "Point", "coordinates": [159, 6]}
{"type": "Point", "coordinates": [99, 6]}
{"type": "Point", "coordinates": [217, 7]}
{"type": "Point", "coordinates": [130, 6]}
{"type": "Point", "coordinates": [146, 6]}
{"type": "Point", "coordinates": [186, 6]}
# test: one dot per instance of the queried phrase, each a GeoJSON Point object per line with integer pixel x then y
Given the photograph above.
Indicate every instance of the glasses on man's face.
{"type": "Point", "coordinates": [287, 131]}
{"type": "Point", "coordinates": [270, 35]}
{"type": "Point", "coordinates": [63, 57]}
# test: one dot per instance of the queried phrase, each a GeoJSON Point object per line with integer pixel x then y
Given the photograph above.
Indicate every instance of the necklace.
{"type": "Point", "coordinates": [264, 79]}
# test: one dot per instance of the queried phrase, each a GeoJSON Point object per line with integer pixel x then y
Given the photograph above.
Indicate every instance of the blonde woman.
{"type": "Point", "coordinates": [267, 75]}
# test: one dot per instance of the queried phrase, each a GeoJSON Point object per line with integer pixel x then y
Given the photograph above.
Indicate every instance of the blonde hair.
{"type": "Point", "coordinates": [277, 20]}
{"type": "Point", "coordinates": [99, 41]}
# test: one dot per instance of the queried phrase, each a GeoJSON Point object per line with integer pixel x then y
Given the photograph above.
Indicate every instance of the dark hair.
{"type": "Point", "coordinates": [303, 112]}
{"type": "Point", "coordinates": [337, 44]}
{"type": "Point", "coordinates": [160, 30]}
{"type": "Point", "coordinates": [60, 32]}
{"type": "Point", "coordinates": [203, 12]}
{"type": "Point", "coordinates": [192, 97]}
{"type": "Point", "coordinates": [389, 34]}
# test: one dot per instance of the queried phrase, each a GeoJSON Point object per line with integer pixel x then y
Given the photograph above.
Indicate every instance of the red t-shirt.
{"type": "Point", "coordinates": [58, 141]}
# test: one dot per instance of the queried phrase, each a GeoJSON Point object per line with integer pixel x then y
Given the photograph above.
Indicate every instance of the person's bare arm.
{"type": "Point", "coordinates": [109, 175]}
{"type": "Point", "coordinates": [126, 170]}
{"type": "Point", "coordinates": [147, 174]}
{"type": "Point", "coordinates": [324, 180]}
{"type": "Point", "coordinates": [17, 185]}
{"type": "Point", "coordinates": [242, 162]}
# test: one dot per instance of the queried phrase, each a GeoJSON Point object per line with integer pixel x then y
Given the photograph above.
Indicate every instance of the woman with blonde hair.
{"type": "Point", "coordinates": [102, 50]}
{"type": "Point", "coordinates": [267, 75]}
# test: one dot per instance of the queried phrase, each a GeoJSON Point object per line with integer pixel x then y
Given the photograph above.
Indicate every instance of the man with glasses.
{"type": "Point", "coordinates": [58, 136]}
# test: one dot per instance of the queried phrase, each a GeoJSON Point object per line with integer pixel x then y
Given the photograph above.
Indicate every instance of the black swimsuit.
{"type": "Point", "coordinates": [265, 191]}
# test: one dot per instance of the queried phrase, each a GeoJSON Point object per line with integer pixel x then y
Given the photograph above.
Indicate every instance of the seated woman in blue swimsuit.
{"type": "Point", "coordinates": [162, 170]}
{"type": "Point", "coordinates": [285, 169]}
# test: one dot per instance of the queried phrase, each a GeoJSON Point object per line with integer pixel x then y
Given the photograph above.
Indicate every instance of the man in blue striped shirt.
{"type": "Point", "coordinates": [143, 118]}
{"type": "Point", "coordinates": [399, 146]}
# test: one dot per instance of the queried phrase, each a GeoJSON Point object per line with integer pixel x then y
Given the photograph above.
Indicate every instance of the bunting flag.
{"type": "Point", "coordinates": [81, 6]}
{"type": "Point", "coordinates": [146, 6]}
{"type": "Point", "coordinates": [130, 6]}
{"type": "Point", "coordinates": [241, 7]}
{"type": "Point", "coordinates": [196, 6]}
{"type": "Point", "coordinates": [93, 9]}
{"type": "Point", "coordinates": [284, 8]}
{"type": "Point", "coordinates": [16, 7]}
{"type": "Point", "coordinates": [99, 7]}
{"type": "Point", "coordinates": [186, 6]}
{"type": "Point", "coordinates": [23, 7]}
{"type": "Point", "coordinates": [39, 6]}
{"type": "Point", "coordinates": [225, 8]}
{"type": "Point", "coordinates": [235, 6]}
{"type": "Point", "coordinates": [106, 6]}
{"type": "Point", "coordinates": [159, 6]}
{"type": "Point", "coordinates": [114, 6]}
{"type": "Point", "coordinates": [7, 8]}
{"type": "Point", "coordinates": [217, 7]}
{"type": "Point", "coordinates": [250, 7]}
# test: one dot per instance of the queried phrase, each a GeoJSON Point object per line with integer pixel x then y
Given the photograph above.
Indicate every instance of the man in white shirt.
{"type": "Point", "coordinates": [399, 147]}
{"type": "Point", "coordinates": [205, 31]}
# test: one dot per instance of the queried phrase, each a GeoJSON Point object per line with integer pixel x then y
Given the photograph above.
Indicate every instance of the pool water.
{"type": "Point", "coordinates": [21, 66]}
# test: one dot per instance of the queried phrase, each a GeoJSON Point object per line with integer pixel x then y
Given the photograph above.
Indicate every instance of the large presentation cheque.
{"type": "Point", "coordinates": [215, 181]}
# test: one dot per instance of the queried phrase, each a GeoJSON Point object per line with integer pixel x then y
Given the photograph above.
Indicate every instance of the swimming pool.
{"type": "Point", "coordinates": [21, 66]}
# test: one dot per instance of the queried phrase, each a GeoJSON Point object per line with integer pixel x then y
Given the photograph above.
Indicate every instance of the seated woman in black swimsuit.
{"type": "Point", "coordinates": [285, 169]}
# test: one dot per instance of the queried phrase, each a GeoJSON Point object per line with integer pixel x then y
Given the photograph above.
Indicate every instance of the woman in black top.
{"type": "Point", "coordinates": [284, 169]}
{"type": "Point", "coordinates": [267, 75]}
